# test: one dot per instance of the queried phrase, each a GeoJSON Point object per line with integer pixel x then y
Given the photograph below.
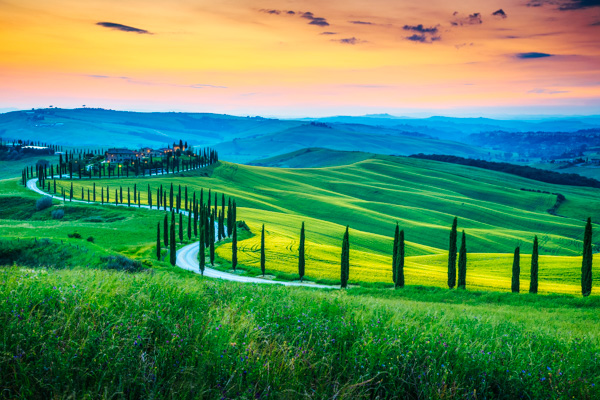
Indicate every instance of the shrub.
{"type": "Point", "coordinates": [43, 203]}
{"type": "Point", "coordinates": [121, 263]}
{"type": "Point", "coordinates": [74, 235]}
{"type": "Point", "coordinates": [58, 214]}
{"type": "Point", "coordinates": [90, 239]}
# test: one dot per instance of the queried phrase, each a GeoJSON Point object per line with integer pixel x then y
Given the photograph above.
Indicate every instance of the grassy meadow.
{"type": "Point", "coordinates": [86, 333]}
{"type": "Point", "coordinates": [371, 195]}
{"type": "Point", "coordinates": [75, 325]}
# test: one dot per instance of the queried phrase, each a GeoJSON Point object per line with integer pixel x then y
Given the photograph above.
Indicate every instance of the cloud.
{"type": "Point", "coordinates": [461, 45]}
{"type": "Point", "coordinates": [500, 13]}
{"type": "Point", "coordinates": [597, 23]}
{"type": "Point", "coordinates": [150, 83]}
{"type": "Point", "coordinates": [565, 5]}
{"type": "Point", "coordinates": [423, 38]}
{"type": "Point", "coordinates": [328, 33]}
{"type": "Point", "coordinates": [525, 56]}
{"type": "Point", "coordinates": [546, 91]}
{"type": "Point", "coordinates": [272, 12]}
{"type": "Point", "coordinates": [419, 28]}
{"type": "Point", "coordinates": [361, 22]}
{"type": "Point", "coordinates": [471, 19]}
{"type": "Point", "coordinates": [123, 28]}
{"type": "Point", "coordinates": [351, 40]}
{"type": "Point", "coordinates": [315, 20]}
{"type": "Point", "coordinates": [290, 12]}
{"type": "Point", "coordinates": [423, 34]}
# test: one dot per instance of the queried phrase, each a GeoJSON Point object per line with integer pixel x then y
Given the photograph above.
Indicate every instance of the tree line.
{"type": "Point", "coordinates": [457, 260]}
{"type": "Point", "coordinates": [68, 165]}
{"type": "Point", "coordinates": [519, 170]}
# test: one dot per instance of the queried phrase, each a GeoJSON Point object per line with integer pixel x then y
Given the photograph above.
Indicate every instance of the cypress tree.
{"type": "Point", "coordinates": [301, 261]}
{"type": "Point", "coordinates": [149, 197]}
{"type": "Point", "coordinates": [395, 252]}
{"type": "Point", "coordinates": [172, 242]}
{"type": "Point", "coordinates": [586, 265]}
{"type": "Point", "coordinates": [129, 197]}
{"type": "Point", "coordinates": [102, 195]}
{"type": "Point", "coordinates": [94, 191]}
{"type": "Point", "coordinates": [462, 263]}
{"type": "Point", "coordinates": [195, 219]}
{"type": "Point", "coordinates": [201, 253]}
{"type": "Point", "coordinates": [166, 231]}
{"type": "Point", "coordinates": [171, 197]}
{"type": "Point", "coordinates": [158, 241]}
{"type": "Point", "coordinates": [345, 264]}
{"type": "Point", "coordinates": [516, 271]}
{"type": "Point", "coordinates": [262, 251]}
{"type": "Point", "coordinates": [180, 228]}
{"type": "Point", "coordinates": [399, 283]}
{"type": "Point", "coordinates": [134, 191]}
{"type": "Point", "coordinates": [71, 192]}
{"type": "Point", "coordinates": [452, 255]}
{"type": "Point", "coordinates": [229, 217]}
{"type": "Point", "coordinates": [533, 284]}
{"type": "Point", "coordinates": [117, 197]}
{"type": "Point", "coordinates": [189, 228]}
{"type": "Point", "coordinates": [186, 198]}
{"type": "Point", "coordinates": [234, 249]}
{"type": "Point", "coordinates": [212, 237]}
{"type": "Point", "coordinates": [121, 194]}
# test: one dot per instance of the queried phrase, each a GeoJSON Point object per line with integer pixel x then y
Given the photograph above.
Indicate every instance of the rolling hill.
{"type": "Point", "coordinates": [423, 196]}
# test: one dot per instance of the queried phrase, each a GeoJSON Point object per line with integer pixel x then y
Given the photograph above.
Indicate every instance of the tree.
{"type": "Point", "coordinates": [158, 241]}
{"type": "Point", "coordinates": [516, 271]}
{"type": "Point", "coordinates": [166, 231]}
{"type": "Point", "coordinates": [533, 283]}
{"type": "Point", "coordinates": [212, 237]}
{"type": "Point", "coordinates": [399, 266]}
{"type": "Point", "coordinates": [301, 261]}
{"type": "Point", "coordinates": [586, 265]}
{"type": "Point", "coordinates": [262, 250]}
{"type": "Point", "coordinates": [452, 255]}
{"type": "Point", "coordinates": [462, 263]}
{"type": "Point", "coordinates": [395, 252]}
{"type": "Point", "coordinates": [189, 227]}
{"type": "Point", "coordinates": [234, 248]}
{"type": "Point", "coordinates": [201, 252]}
{"type": "Point", "coordinates": [172, 242]}
{"type": "Point", "coordinates": [180, 228]}
{"type": "Point", "coordinates": [345, 264]}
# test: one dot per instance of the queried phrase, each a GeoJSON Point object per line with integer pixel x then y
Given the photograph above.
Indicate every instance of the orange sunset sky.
{"type": "Point", "coordinates": [303, 58]}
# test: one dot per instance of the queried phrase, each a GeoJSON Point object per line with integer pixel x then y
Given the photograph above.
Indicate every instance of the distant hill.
{"type": "Point", "coordinates": [340, 137]}
{"type": "Point", "coordinates": [313, 158]}
{"type": "Point", "coordinates": [89, 127]}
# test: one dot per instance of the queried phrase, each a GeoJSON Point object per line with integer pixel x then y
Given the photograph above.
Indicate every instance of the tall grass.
{"type": "Point", "coordinates": [99, 334]}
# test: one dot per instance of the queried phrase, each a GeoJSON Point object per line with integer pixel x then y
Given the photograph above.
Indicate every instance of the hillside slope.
{"type": "Point", "coordinates": [423, 196]}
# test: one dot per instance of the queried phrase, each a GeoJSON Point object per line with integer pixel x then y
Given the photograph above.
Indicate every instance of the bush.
{"type": "Point", "coordinates": [90, 239]}
{"type": "Point", "coordinates": [74, 235]}
{"type": "Point", "coordinates": [121, 263]}
{"type": "Point", "coordinates": [43, 203]}
{"type": "Point", "coordinates": [58, 214]}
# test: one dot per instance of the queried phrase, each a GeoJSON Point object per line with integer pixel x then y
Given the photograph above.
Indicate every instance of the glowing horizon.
{"type": "Point", "coordinates": [304, 58]}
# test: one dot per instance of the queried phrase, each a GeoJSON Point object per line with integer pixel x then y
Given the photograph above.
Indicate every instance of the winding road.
{"type": "Point", "coordinates": [187, 256]}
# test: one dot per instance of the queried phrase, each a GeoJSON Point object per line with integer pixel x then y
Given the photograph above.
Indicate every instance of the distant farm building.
{"type": "Point", "coordinates": [120, 155]}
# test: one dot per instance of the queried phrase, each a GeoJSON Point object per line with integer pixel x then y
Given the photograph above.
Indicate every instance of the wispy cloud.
{"type": "Point", "coordinates": [471, 19]}
{"type": "Point", "coordinates": [151, 83]}
{"type": "Point", "coordinates": [351, 40]}
{"type": "Point", "coordinates": [565, 5]}
{"type": "Point", "coordinates": [361, 22]}
{"type": "Point", "coordinates": [328, 33]}
{"type": "Point", "coordinates": [314, 20]}
{"type": "Point", "coordinates": [123, 28]}
{"type": "Point", "coordinates": [525, 56]}
{"type": "Point", "coordinates": [423, 34]}
{"type": "Point", "coordinates": [500, 13]}
{"type": "Point", "coordinates": [547, 91]}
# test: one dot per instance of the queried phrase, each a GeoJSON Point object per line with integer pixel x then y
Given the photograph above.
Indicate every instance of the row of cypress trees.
{"type": "Point", "coordinates": [169, 164]}
{"type": "Point", "coordinates": [398, 256]}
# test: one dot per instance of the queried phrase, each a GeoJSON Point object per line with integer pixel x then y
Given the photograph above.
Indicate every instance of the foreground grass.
{"type": "Point", "coordinates": [95, 334]}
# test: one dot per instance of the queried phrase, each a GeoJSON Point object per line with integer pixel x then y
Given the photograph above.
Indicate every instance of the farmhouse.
{"type": "Point", "coordinates": [120, 155]}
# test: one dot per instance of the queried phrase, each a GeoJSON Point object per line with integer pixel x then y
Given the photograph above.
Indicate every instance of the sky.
{"type": "Point", "coordinates": [288, 58]}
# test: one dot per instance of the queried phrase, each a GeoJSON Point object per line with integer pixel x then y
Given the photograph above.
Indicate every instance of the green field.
{"type": "Point", "coordinates": [422, 196]}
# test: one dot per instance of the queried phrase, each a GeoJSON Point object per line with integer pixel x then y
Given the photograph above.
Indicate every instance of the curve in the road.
{"type": "Point", "coordinates": [187, 256]}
